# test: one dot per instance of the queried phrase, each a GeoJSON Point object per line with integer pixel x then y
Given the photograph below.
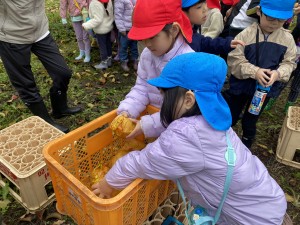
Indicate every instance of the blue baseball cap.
{"type": "Point", "coordinates": [204, 74]}
{"type": "Point", "coordinates": [188, 3]}
{"type": "Point", "coordinates": [279, 9]}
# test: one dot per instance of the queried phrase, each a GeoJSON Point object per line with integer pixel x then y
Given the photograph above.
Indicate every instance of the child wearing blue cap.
{"type": "Point", "coordinates": [196, 11]}
{"type": "Point", "coordinates": [192, 150]}
{"type": "Point", "coordinates": [268, 59]}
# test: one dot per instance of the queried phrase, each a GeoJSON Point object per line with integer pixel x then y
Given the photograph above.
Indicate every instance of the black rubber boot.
{"type": "Point", "coordinates": [59, 105]}
{"type": "Point", "coordinates": [247, 141]}
{"type": "Point", "coordinates": [39, 109]}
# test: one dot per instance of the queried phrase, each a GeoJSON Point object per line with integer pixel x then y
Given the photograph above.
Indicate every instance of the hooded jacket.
{"type": "Point", "coordinates": [193, 152]}
{"type": "Point", "coordinates": [143, 94]}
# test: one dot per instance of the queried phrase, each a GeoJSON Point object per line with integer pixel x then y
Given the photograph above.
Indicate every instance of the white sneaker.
{"type": "Point", "coordinates": [102, 65]}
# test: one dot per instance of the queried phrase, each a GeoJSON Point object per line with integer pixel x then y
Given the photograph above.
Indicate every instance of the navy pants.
{"type": "Point", "coordinates": [16, 60]}
{"type": "Point", "coordinates": [237, 103]}
{"type": "Point", "coordinates": [126, 43]}
{"type": "Point", "coordinates": [105, 45]}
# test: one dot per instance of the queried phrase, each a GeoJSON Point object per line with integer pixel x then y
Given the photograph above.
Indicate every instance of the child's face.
{"type": "Point", "coordinates": [269, 24]}
{"type": "Point", "coordinates": [197, 14]}
{"type": "Point", "coordinates": [162, 42]}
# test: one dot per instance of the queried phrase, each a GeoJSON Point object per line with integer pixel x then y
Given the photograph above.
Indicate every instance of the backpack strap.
{"type": "Point", "coordinates": [230, 157]}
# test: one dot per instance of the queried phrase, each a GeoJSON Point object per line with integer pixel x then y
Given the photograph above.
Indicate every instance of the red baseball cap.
{"type": "Point", "coordinates": [103, 1]}
{"type": "Point", "coordinates": [150, 17]}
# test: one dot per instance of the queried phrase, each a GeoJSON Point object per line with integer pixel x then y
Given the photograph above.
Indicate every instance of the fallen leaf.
{"type": "Point", "coordinates": [59, 222]}
{"type": "Point", "coordinates": [105, 75]}
{"type": "Point", "coordinates": [13, 98]}
{"type": "Point", "coordinates": [125, 74]}
{"type": "Point", "coordinates": [4, 204]}
{"type": "Point", "coordinates": [110, 76]}
{"type": "Point", "coordinates": [102, 80]}
{"type": "Point", "coordinates": [262, 146]}
{"type": "Point", "coordinates": [113, 80]}
{"type": "Point", "coordinates": [54, 215]}
{"type": "Point", "coordinates": [90, 105]}
{"type": "Point", "coordinates": [2, 114]}
{"type": "Point", "coordinates": [289, 198]}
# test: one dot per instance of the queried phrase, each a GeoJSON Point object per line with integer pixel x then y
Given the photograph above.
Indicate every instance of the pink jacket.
{"type": "Point", "coordinates": [143, 94]}
{"type": "Point", "coordinates": [70, 7]}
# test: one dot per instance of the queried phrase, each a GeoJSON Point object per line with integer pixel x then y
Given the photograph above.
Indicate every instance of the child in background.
{"type": "Point", "coordinates": [267, 59]}
{"type": "Point", "coordinates": [213, 25]}
{"type": "Point", "coordinates": [74, 7]}
{"type": "Point", "coordinates": [165, 31]}
{"type": "Point", "coordinates": [196, 11]}
{"type": "Point", "coordinates": [193, 147]}
{"type": "Point", "coordinates": [123, 13]}
{"type": "Point", "coordinates": [101, 21]}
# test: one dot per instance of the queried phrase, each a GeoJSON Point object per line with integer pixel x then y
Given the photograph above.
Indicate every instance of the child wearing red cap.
{"type": "Point", "coordinates": [102, 18]}
{"type": "Point", "coordinates": [165, 31]}
{"type": "Point", "coordinates": [213, 25]}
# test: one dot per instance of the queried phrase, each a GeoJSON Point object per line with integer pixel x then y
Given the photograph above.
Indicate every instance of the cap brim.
{"type": "Point", "coordinates": [161, 83]}
{"type": "Point", "coordinates": [142, 33]}
{"type": "Point", "coordinates": [283, 15]}
{"type": "Point", "coordinates": [214, 109]}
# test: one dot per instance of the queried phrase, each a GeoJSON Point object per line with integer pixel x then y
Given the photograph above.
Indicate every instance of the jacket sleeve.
{"type": "Point", "coordinates": [119, 14]}
{"type": "Point", "coordinates": [216, 26]}
{"type": "Point", "coordinates": [137, 99]}
{"type": "Point", "coordinates": [288, 64]}
{"type": "Point", "coordinates": [207, 44]}
{"type": "Point", "coordinates": [63, 7]}
{"type": "Point", "coordinates": [97, 19]}
{"type": "Point", "coordinates": [151, 125]}
{"type": "Point", "coordinates": [164, 159]}
{"type": "Point", "coordinates": [238, 65]}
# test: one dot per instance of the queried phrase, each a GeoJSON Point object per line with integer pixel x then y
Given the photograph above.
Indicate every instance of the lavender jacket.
{"type": "Point", "coordinates": [193, 152]}
{"type": "Point", "coordinates": [143, 94]}
{"type": "Point", "coordinates": [123, 11]}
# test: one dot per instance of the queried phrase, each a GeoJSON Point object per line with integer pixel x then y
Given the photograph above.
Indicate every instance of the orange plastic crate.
{"type": "Point", "coordinates": [70, 161]}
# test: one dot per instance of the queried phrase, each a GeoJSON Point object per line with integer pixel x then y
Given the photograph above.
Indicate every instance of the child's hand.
{"type": "Point", "coordinates": [125, 114]}
{"type": "Point", "coordinates": [296, 9]}
{"type": "Point", "coordinates": [263, 76]}
{"type": "Point", "coordinates": [83, 25]}
{"type": "Point", "coordinates": [137, 130]}
{"type": "Point", "coordinates": [102, 189]}
{"type": "Point", "coordinates": [274, 76]}
{"type": "Point", "coordinates": [235, 43]}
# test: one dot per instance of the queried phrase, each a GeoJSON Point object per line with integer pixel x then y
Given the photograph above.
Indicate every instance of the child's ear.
{"type": "Point", "coordinates": [175, 30]}
{"type": "Point", "coordinates": [258, 12]}
{"type": "Point", "coordinates": [189, 100]}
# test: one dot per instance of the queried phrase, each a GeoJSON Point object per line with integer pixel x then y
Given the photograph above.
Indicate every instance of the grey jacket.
{"type": "Point", "coordinates": [22, 21]}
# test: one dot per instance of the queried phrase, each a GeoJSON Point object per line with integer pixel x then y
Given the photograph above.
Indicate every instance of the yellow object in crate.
{"type": "Point", "coordinates": [72, 159]}
{"type": "Point", "coordinates": [122, 126]}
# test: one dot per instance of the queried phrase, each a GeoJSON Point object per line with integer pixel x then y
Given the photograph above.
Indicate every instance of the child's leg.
{"type": "Point", "coordinates": [109, 49]}
{"type": "Point", "coordinates": [101, 38]}
{"type": "Point", "coordinates": [249, 124]}
{"type": "Point", "coordinates": [79, 36]}
{"type": "Point", "coordinates": [123, 54]}
{"type": "Point", "coordinates": [295, 88]}
{"type": "Point", "coordinates": [236, 104]}
{"type": "Point", "coordinates": [134, 53]}
{"type": "Point", "coordinates": [87, 45]}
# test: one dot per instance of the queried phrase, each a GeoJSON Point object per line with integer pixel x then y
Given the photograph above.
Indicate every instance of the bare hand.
{"type": "Point", "coordinates": [235, 43]}
{"type": "Point", "coordinates": [274, 76]}
{"type": "Point", "coordinates": [102, 189]}
{"type": "Point", "coordinates": [228, 13]}
{"type": "Point", "coordinates": [296, 9]}
{"type": "Point", "coordinates": [137, 130]}
{"type": "Point", "coordinates": [263, 76]}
